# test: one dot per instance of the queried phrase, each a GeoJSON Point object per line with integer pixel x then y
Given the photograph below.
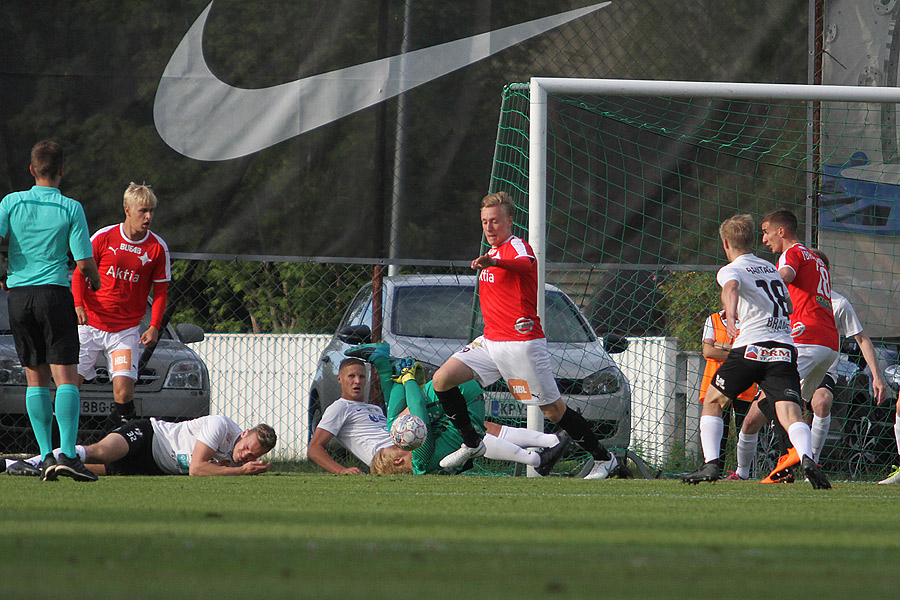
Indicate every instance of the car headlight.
{"type": "Point", "coordinates": [12, 372]}
{"type": "Point", "coordinates": [607, 381]}
{"type": "Point", "coordinates": [892, 375]}
{"type": "Point", "coordinates": [185, 375]}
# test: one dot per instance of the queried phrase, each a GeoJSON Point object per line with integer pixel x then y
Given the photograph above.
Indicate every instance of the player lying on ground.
{"type": "Point", "coordinates": [404, 394]}
{"type": "Point", "coordinates": [362, 428]}
{"type": "Point", "coordinates": [212, 445]}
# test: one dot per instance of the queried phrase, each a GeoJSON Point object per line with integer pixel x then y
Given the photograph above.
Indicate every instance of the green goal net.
{"type": "Point", "coordinates": [622, 189]}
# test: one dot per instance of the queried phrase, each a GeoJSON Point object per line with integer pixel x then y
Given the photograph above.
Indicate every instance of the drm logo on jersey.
{"type": "Point", "coordinates": [760, 354]}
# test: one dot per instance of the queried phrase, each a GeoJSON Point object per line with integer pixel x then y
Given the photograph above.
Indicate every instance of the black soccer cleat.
{"type": "Point", "coordinates": [48, 468]}
{"type": "Point", "coordinates": [708, 472]}
{"type": "Point", "coordinates": [815, 475]}
{"type": "Point", "coordinates": [20, 467]}
{"type": "Point", "coordinates": [551, 456]}
{"type": "Point", "coordinates": [74, 468]}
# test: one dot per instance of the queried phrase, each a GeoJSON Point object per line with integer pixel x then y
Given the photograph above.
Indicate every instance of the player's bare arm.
{"type": "Point", "coordinates": [149, 337]}
{"type": "Point", "coordinates": [730, 302]}
{"type": "Point", "coordinates": [319, 455]}
{"type": "Point", "coordinates": [879, 386]}
{"type": "Point", "coordinates": [88, 267]}
{"type": "Point", "coordinates": [202, 465]}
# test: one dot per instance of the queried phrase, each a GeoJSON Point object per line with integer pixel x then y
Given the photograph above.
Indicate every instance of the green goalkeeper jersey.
{"type": "Point", "coordinates": [443, 438]}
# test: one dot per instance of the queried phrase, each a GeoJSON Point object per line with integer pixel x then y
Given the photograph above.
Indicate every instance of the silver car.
{"type": "Point", "coordinates": [173, 385]}
{"type": "Point", "coordinates": [429, 317]}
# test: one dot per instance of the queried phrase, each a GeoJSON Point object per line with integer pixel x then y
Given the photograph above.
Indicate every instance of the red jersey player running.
{"type": "Point", "coordinates": [132, 260]}
{"type": "Point", "coordinates": [513, 345]}
{"type": "Point", "coordinates": [812, 325]}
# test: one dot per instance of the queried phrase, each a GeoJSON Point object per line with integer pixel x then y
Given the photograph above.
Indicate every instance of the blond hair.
{"type": "Point", "coordinates": [383, 463]}
{"type": "Point", "coordinates": [739, 231]}
{"type": "Point", "coordinates": [500, 199]}
{"type": "Point", "coordinates": [139, 195]}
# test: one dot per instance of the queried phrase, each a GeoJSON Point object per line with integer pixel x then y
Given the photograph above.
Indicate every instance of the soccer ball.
{"type": "Point", "coordinates": [408, 432]}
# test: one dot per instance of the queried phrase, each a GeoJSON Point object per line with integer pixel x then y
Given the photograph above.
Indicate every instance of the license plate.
{"type": "Point", "coordinates": [506, 410]}
{"type": "Point", "coordinates": [95, 408]}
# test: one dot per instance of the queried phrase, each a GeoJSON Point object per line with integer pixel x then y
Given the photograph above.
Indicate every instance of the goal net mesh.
{"type": "Point", "coordinates": [636, 190]}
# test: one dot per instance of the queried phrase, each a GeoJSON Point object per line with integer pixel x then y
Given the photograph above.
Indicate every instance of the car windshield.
{"type": "Point", "coordinates": [446, 312]}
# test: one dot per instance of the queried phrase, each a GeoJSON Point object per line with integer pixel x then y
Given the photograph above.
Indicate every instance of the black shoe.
{"type": "Point", "coordinates": [20, 467]}
{"type": "Point", "coordinates": [815, 475]}
{"type": "Point", "coordinates": [708, 472]}
{"type": "Point", "coordinates": [550, 456]}
{"type": "Point", "coordinates": [74, 468]}
{"type": "Point", "coordinates": [48, 468]}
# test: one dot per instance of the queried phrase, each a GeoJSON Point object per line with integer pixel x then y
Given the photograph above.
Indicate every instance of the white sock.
{"type": "Point", "coordinates": [801, 439]}
{"type": "Point", "coordinates": [819, 430]}
{"type": "Point", "coordinates": [711, 429]}
{"type": "Point", "coordinates": [499, 449]}
{"type": "Point", "coordinates": [79, 449]}
{"type": "Point", "coordinates": [897, 431]}
{"type": "Point", "coordinates": [746, 450]}
{"type": "Point", "coordinates": [526, 438]}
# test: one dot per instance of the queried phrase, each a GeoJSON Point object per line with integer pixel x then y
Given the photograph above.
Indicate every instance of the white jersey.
{"type": "Point", "coordinates": [762, 301]}
{"type": "Point", "coordinates": [173, 443]}
{"type": "Point", "coordinates": [847, 322]}
{"type": "Point", "coordinates": [360, 428]}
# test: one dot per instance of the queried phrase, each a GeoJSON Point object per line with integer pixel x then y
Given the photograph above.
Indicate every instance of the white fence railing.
{"type": "Point", "coordinates": [266, 378]}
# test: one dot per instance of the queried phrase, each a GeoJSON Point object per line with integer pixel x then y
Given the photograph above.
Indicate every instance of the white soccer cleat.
{"type": "Point", "coordinates": [461, 456]}
{"type": "Point", "coordinates": [603, 469]}
{"type": "Point", "coordinates": [894, 477]}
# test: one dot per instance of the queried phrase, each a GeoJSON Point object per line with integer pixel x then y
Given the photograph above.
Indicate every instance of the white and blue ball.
{"type": "Point", "coordinates": [408, 432]}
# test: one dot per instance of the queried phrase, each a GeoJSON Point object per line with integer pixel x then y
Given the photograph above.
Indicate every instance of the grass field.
{"type": "Point", "coordinates": [311, 535]}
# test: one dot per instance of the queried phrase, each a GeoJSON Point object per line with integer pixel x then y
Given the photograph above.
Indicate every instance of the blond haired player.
{"type": "Point", "coordinates": [763, 352]}
{"type": "Point", "coordinates": [133, 261]}
{"type": "Point", "coordinates": [513, 346]}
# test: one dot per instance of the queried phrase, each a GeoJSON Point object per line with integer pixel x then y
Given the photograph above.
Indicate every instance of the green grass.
{"type": "Point", "coordinates": [312, 535]}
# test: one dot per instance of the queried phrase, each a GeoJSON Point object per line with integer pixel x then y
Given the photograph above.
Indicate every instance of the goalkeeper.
{"type": "Point", "coordinates": [403, 393]}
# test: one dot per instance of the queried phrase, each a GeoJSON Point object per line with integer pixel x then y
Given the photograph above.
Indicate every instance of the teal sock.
{"type": "Point", "coordinates": [68, 409]}
{"type": "Point", "coordinates": [40, 413]}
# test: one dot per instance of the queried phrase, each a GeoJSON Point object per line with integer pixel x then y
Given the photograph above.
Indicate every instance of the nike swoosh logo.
{"type": "Point", "coordinates": [204, 118]}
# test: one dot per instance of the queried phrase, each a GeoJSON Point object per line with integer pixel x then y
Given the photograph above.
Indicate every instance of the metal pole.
{"type": "Point", "coordinates": [537, 213]}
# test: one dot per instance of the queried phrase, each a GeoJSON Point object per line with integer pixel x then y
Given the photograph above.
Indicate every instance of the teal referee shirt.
{"type": "Point", "coordinates": [41, 225]}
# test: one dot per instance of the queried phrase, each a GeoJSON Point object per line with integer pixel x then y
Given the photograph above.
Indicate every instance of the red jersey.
{"type": "Point", "coordinates": [811, 294]}
{"type": "Point", "coordinates": [509, 297]}
{"type": "Point", "coordinates": [128, 271]}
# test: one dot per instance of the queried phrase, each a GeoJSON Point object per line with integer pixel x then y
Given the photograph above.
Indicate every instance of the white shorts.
{"type": "Point", "coordinates": [121, 349]}
{"type": "Point", "coordinates": [524, 365]}
{"type": "Point", "coordinates": [813, 362]}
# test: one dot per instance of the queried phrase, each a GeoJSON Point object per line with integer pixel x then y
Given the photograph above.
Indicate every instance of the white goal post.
{"type": "Point", "coordinates": [540, 87]}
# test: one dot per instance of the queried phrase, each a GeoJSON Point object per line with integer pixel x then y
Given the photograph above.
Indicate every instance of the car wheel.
{"type": "Point", "coordinates": [315, 416]}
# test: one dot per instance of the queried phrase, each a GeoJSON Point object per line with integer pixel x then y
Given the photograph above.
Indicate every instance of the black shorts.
{"type": "Point", "coordinates": [139, 460]}
{"type": "Point", "coordinates": [771, 365]}
{"type": "Point", "coordinates": [44, 325]}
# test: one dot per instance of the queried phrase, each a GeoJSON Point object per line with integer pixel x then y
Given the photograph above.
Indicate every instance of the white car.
{"type": "Point", "coordinates": [429, 317]}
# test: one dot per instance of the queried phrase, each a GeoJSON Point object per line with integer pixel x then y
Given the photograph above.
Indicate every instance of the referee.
{"type": "Point", "coordinates": [41, 226]}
